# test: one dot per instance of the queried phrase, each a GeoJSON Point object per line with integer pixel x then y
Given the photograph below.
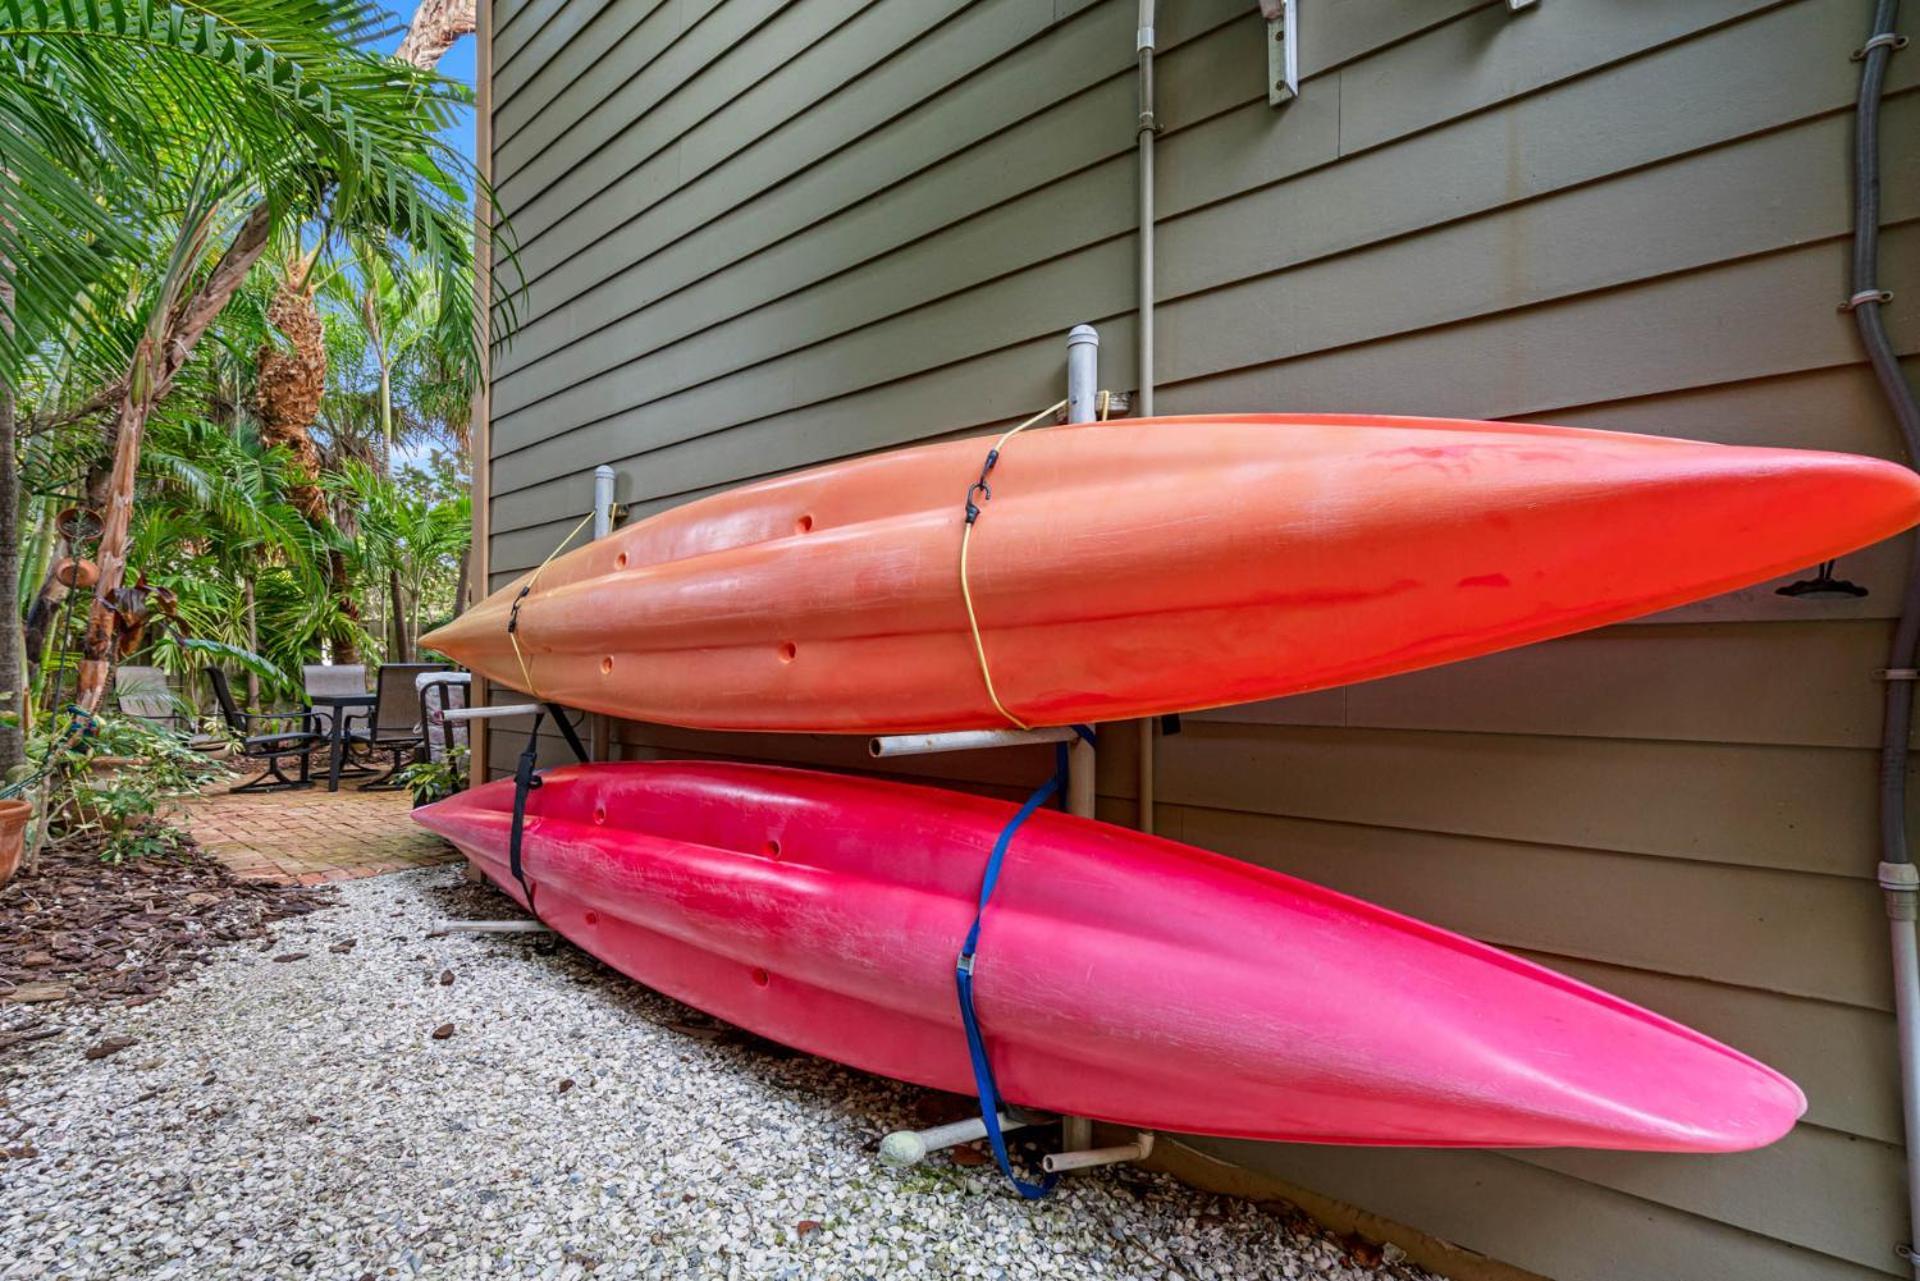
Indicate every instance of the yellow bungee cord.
{"type": "Point", "coordinates": [966, 540]}
{"type": "Point", "coordinates": [513, 615]}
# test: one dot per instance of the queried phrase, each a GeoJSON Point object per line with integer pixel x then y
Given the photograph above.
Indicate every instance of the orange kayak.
{"type": "Point", "coordinates": [1147, 566]}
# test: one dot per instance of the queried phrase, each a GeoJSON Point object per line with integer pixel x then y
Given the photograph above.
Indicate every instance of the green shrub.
{"type": "Point", "coordinates": [118, 782]}
{"type": "Point", "coordinates": [431, 780]}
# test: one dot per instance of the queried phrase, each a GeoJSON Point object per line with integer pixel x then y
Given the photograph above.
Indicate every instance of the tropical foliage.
{"type": "Point", "coordinates": [237, 341]}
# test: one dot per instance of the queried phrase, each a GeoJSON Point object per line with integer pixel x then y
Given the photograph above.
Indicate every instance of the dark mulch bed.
{"type": "Point", "coordinates": [88, 932]}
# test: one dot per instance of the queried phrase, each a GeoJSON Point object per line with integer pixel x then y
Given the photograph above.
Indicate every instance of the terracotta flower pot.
{"type": "Point", "coordinates": [13, 835]}
{"type": "Point", "coordinates": [76, 573]}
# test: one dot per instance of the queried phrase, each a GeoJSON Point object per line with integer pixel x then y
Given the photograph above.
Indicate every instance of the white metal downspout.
{"type": "Point", "coordinates": [1145, 128]}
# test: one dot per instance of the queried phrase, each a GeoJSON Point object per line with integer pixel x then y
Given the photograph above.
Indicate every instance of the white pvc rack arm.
{"type": "Point", "coordinates": [1139, 1150]}
{"type": "Point", "coordinates": [903, 1148]}
{"type": "Point", "coordinates": [965, 740]}
{"type": "Point", "coordinates": [493, 713]}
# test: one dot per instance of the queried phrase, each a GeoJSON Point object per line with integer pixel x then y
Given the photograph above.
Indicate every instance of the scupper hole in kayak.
{"type": "Point", "coordinates": [773, 849]}
{"type": "Point", "coordinates": [788, 651]}
{"type": "Point", "coordinates": [802, 525]}
{"type": "Point", "coordinates": [760, 977]}
{"type": "Point", "coordinates": [599, 814]}
{"type": "Point", "coordinates": [606, 665]}
{"type": "Point", "coordinates": [620, 561]}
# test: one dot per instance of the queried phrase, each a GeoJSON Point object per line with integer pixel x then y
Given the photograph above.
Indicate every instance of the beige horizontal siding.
{"type": "Point", "coordinates": [1368, 215]}
{"type": "Point", "coordinates": [1807, 683]}
{"type": "Point", "coordinates": [762, 236]}
{"type": "Point", "coordinates": [1555, 1224]}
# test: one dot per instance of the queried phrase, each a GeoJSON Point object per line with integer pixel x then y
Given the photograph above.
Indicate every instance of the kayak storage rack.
{"type": "Point", "coordinates": [909, 1147]}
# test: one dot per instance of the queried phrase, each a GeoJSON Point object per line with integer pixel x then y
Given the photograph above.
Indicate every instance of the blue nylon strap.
{"type": "Point", "coordinates": [983, 1081]}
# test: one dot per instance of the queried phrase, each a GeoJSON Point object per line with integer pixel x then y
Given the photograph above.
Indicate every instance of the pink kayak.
{"type": "Point", "coordinates": [1120, 976]}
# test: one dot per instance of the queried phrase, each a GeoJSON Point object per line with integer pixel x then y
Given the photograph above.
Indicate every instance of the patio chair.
{"type": "Point", "coordinates": [142, 692]}
{"type": "Point", "coordinates": [396, 725]}
{"type": "Point", "coordinates": [269, 737]}
{"type": "Point", "coordinates": [440, 693]}
{"type": "Point", "coordinates": [329, 680]}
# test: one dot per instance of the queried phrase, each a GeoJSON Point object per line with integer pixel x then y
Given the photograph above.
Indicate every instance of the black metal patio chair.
{"type": "Point", "coordinates": [268, 736]}
{"type": "Point", "coordinates": [438, 696]}
{"type": "Point", "coordinates": [396, 724]}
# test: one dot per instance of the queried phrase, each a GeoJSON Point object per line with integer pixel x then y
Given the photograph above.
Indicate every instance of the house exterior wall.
{"type": "Point", "coordinates": [762, 235]}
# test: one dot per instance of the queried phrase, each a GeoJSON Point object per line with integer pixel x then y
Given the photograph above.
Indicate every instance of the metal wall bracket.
{"type": "Point", "coordinates": [1283, 51]}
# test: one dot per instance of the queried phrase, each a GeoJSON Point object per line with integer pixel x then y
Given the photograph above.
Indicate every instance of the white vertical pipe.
{"type": "Point", "coordinates": [601, 728]}
{"type": "Point", "coordinates": [1083, 374]}
{"type": "Point", "coordinates": [1900, 888]}
{"type": "Point", "coordinates": [1083, 394]}
{"type": "Point", "coordinates": [1080, 775]}
{"type": "Point", "coordinates": [603, 477]}
{"type": "Point", "coordinates": [1906, 1002]}
{"type": "Point", "coordinates": [1146, 127]}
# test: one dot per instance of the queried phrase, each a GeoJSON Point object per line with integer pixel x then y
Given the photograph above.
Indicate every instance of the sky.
{"type": "Point", "coordinates": [457, 65]}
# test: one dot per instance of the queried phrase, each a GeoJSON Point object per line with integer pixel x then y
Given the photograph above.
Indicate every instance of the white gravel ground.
{"type": "Point", "coordinates": [296, 1119]}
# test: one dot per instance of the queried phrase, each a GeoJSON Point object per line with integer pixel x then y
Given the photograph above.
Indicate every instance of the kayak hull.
{"type": "Point", "coordinates": [1134, 568]}
{"type": "Point", "coordinates": [1121, 976]}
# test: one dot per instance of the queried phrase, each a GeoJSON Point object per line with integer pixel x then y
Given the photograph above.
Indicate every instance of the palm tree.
{"type": "Point", "coordinates": [409, 541]}
{"type": "Point", "coordinates": [292, 378]}
{"type": "Point", "coordinates": [125, 126]}
{"type": "Point", "coordinates": [398, 304]}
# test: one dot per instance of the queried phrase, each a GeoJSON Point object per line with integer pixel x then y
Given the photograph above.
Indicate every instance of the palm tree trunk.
{"type": "Point", "coordinates": [346, 645]}
{"type": "Point", "coordinates": [13, 751]}
{"type": "Point", "coordinates": [436, 25]}
{"type": "Point", "coordinates": [36, 567]}
{"type": "Point", "coordinates": [253, 643]}
{"type": "Point", "coordinates": [12, 682]}
{"type": "Point", "coordinates": [401, 647]}
{"type": "Point", "coordinates": [288, 388]}
{"type": "Point", "coordinates": [460, 580]}
{"type": "Point", "coordinates": [97, 649]}
{"type": "Point", "coordinates": [413, 613]}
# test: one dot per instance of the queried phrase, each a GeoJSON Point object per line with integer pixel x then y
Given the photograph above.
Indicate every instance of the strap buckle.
{"type": "Point", "coordinates": [981, 487]}
{"type": "Point", "coordinates": [985, 491]}
{"type": "Point", "coordinates": [513, 614]}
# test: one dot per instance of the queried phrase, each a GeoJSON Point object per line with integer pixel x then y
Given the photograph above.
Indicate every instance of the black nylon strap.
{"type": "Point", "coordinates": [524, 781]}
{"type": "Point", "coordinates": [567, 731]}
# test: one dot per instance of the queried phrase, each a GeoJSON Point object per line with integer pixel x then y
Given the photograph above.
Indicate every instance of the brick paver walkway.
{"type": "Point", "coordinates": [313, 835]}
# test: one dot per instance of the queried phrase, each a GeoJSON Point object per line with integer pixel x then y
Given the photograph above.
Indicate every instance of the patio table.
{"type": "Point", "coordinates": [342, 705]}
